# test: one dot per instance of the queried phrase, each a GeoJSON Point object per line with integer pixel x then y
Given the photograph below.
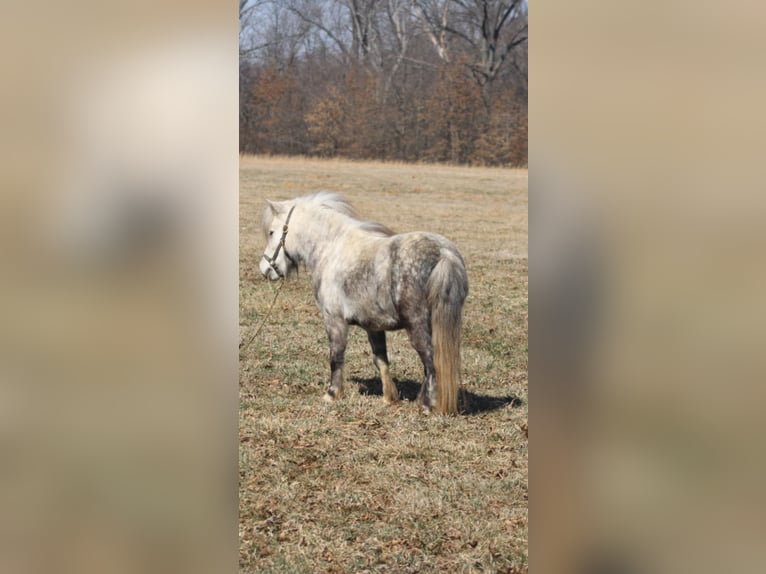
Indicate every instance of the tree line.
{"type": "Point", "coordinates": [411, 80]}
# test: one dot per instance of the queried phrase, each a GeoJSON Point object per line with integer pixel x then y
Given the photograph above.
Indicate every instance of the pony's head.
{"type": "Point", "coordinates": [276, 261]}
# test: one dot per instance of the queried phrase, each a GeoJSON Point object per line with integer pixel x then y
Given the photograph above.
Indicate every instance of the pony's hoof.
{"type": "Point", "coordinates": [426, 409]}
{"type": "Point", "coordinates": [330, 396]}
{"type": "Point", "coordinates": [391, 400]}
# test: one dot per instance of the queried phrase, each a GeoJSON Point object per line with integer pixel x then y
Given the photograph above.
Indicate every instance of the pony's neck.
{"type": "Point", "coordinates": [315, 231]}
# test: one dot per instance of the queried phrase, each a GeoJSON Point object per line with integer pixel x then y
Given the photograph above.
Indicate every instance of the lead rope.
{"type": "Point", "coordinates": [273, 262]}
{"type": "Point", "coordinates": [243, 348]}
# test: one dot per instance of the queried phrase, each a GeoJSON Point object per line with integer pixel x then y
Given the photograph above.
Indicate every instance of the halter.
{"type": "Point", "coordinates": [273, 259]}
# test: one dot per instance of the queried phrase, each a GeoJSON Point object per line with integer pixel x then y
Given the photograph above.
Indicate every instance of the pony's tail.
{"type": "Point", "coordinates": [447, 290]}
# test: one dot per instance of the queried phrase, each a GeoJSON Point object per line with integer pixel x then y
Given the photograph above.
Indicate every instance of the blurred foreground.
{"type": "Point", "coordinates": [118, 275]}
{"type": "Point", "coordinates": [647, 282]}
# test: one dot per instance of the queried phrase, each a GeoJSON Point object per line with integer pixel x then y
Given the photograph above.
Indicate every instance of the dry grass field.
{"type": "Point", "coordinates": [359, 486]}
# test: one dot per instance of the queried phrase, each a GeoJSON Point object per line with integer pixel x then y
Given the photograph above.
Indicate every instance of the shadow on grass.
{"type": "Point", "coordinates": [408, 389]}
{"type": "Point", "coordinates": [470, 403]}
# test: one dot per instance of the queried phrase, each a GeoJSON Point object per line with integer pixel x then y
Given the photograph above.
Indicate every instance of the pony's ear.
{"type": "Point", "coordinates": [275, 207]}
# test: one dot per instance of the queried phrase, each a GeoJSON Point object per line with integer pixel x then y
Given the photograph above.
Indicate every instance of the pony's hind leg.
{"type": "Point", "coordinates": [337, 333]}
{"type": "Point", "coordinates": [380, 359]}
{"type": "Point", "coordinates": [420, 338]}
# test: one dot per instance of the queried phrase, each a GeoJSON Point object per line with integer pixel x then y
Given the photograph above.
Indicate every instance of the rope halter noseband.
{"type": "Point", "coordinates": [273, 259]}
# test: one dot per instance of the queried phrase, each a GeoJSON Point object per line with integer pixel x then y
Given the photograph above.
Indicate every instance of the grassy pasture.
{"type": "Point", "coordinates": [359, 486]}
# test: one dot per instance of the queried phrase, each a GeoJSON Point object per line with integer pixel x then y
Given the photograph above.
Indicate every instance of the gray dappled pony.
{"type": "Point", "coordinates": [365, 275]}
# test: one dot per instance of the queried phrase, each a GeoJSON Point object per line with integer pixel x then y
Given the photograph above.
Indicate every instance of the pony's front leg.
{"type": "Point", "coordinates": [337, 333]}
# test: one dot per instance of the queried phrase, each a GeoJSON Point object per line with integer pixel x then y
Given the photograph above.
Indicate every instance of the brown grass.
{"type": "Point", "coordinates": [360, 486]}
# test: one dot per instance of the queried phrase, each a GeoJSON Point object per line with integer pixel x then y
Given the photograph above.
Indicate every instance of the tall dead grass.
{"type": "Point", "coordinates": [361, 486]}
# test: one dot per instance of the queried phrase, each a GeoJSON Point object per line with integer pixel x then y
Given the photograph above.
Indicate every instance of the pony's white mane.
{"type": "Point", "coordinates": [330, 200]}
{"type": "Point", "coordinates": [336, 202]}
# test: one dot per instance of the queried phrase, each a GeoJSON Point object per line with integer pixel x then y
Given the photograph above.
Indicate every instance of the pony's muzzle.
{"type": "Point", "coordinates": [267, 270]}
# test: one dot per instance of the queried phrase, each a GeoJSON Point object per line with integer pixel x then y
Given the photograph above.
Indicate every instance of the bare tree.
{"type": "Point", "coordinates": [362, 14]}
{"type": "Point", "coordinates": [434, 18]}
{"type": "Point", "coordinates": [494, 29]}
{"type": "Point", "coordinates": [485, 31]}
{"type": "Point", "coordinates": [402, 79]}
{"type": "Point", "coordinates": [249, 43]}
{"type": "Point", "coordinates": [271, 33]}
{"type": "Point", "coordinates": [324, 17]}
